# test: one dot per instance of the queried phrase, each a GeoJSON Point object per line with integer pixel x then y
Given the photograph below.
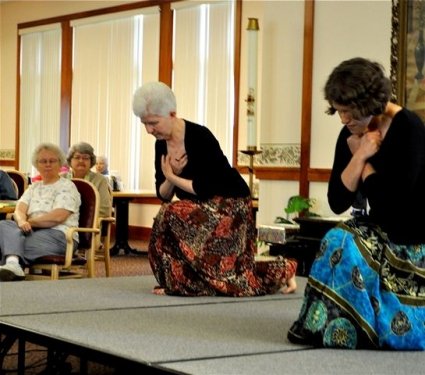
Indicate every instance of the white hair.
{"type": "Point", "coordinates": [49, 147]}
{"type": "Point", "coordinates": [154, 98]}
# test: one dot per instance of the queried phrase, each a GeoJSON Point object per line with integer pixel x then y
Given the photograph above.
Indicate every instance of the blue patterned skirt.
{"type": "Point", "coordinates": [364, 292]}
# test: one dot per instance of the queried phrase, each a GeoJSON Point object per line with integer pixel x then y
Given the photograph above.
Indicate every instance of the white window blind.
{"type": "Point", "coordinates": [112, 57]}
{"type": "Point", "coordinates": [40, 78]}
{"type": "Point", "coordinates": [203, 76]}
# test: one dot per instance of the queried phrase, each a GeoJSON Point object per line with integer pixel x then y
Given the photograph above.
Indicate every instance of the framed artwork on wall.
{"type": "Point", "coordinates": [408, 54]}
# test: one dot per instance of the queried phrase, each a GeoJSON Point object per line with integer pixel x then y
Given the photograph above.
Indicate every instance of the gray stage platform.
{"type": "Point", "coordinates": [120, 317]}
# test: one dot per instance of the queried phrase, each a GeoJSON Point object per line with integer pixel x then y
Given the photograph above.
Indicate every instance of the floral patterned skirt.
{"type": "Point", "coordinates": [208, 248]}
{"type": "Point", "coordinates": [364, 292]}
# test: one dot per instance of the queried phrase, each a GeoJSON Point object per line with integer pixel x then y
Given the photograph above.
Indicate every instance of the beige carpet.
{"type": "Point", "coordinates": [128, 264]}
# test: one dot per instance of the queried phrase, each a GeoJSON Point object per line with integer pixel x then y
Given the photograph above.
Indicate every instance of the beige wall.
{"type": "Point", "coordinates": [343, 29]}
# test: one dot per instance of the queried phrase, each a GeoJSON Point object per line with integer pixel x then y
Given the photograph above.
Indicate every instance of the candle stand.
{"type": "Point", "coordinates": [251, 152]}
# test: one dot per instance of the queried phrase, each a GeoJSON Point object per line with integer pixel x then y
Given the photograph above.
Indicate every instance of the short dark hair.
{"type": "Point", "coordinates": [360, 84]}
{"type": "Point", "coordinates": [82, 148]}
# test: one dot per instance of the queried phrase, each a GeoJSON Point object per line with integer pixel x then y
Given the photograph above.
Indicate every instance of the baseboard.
{"type": "Point", "coordinates": [135, 232]}
{"type": "Point", "coordinates": [139, 233]}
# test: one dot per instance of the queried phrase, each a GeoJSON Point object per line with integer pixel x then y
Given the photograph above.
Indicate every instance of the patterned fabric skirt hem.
{"type": "Point", "coordinates": [207, 248]}
{"type": "Point", "coordinates": [364, 292]}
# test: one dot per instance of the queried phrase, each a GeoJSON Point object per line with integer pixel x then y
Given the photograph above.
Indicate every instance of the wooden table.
{"type": "Point", "coordinates": [121, 201]}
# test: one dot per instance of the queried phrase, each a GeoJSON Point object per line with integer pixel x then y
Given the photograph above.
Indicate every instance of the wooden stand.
{"type": "Point", "coordinates": [251, 152]}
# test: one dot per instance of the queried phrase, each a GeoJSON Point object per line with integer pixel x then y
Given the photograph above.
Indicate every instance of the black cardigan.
{"type": "Point", "coordinates": [207, 166]}
{"type": "Point", "coordinates": [396, 192]}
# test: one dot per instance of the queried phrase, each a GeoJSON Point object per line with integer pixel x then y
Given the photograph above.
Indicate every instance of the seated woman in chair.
{"type": "Point", "coordinates": [42, 215]}
{"type": "Point", "coordinates": [80, 159]}
{"type": "Point", "coordinates": [102, 167]}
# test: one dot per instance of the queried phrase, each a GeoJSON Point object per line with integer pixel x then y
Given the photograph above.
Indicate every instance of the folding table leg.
{"type": "Point", "coordinates": [6, 342]}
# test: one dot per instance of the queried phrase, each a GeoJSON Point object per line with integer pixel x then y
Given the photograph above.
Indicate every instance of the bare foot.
{"type": "Point", "coordinates": [291, 286]}
{"type": "Point", "coordinates": [158, 291]}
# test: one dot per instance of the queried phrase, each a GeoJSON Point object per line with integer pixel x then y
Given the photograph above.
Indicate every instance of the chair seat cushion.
{"type": "Point", "coordinates": [60, 259]}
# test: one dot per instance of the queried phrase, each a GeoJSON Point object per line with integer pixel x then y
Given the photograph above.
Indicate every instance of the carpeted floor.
{"type": "Point", "coordinates": [128, 264]}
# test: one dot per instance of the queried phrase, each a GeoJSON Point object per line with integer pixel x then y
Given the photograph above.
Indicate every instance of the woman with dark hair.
{"type": "Point", "coordinates": [366, 288]}
{"type": "Point", "coordinates": [80, 159]}
{"type": "Point", "coordinates": [204, 242]}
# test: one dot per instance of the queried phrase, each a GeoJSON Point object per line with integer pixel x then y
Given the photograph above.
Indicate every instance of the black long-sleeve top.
{"type": "Point", "coordinates": [207, 167]}
{"type": "Point", "coordinates": [396, 192]}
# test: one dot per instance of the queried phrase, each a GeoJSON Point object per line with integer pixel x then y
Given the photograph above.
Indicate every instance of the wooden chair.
{"type": "Point", "coordinates": [20, 180]}
{"type": "Point", "coordinates": [105, 238]}
{"type": "Point", "coordinates": [15, 187]}
{"type": "Point", "coordinates": [70, 265]}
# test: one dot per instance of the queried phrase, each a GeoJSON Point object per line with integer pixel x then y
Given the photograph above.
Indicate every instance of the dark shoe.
{"type": "Point", "coordinates": [11, 272]}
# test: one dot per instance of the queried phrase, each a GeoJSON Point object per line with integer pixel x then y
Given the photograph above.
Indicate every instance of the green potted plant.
{"type": "Point", "coordinates": [297, 204]}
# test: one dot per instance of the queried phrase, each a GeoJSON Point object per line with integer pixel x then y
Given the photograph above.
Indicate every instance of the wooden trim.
{"type": "Point", "coordinates": [95, 12]}
{"type": "Point", "coordinates": [134, 232]}
{"type": "Point", "coordinates": [66, 85]}
{"type": "Point", "coordinates": [147, 200]}
{"type": "Point", "coordinates": [139, 233]}
{"type": "Point", "coordinates": [306, 97]}
{"type": "Point", "coordinates": [319, 175]}
{"type": "Point", "coordinates": [237, 62]}
{"type": "Point", "coordinates": [291, 174]}
{"type": "Point", "coordinates": [280, 173]}
{"type": "Point", "coordinates": [166, 44]}
{"type": "Point", "coordinates": [8, 163]}
{"type": "Point", "coordinates": [18, 103]}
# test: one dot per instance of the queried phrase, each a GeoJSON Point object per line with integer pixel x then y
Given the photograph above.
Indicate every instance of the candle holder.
{"type": "Point", "coordinates": [251, 152]}
{"type": "Point", "coordinates": [251, 99]}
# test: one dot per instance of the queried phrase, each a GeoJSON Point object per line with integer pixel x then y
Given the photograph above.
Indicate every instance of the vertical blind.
{"type": "Point", "coordinates": [203, 76]}
{"type": "Point", "coordinates": [109, 61]}
{"type": "Point", "coordinates": [40, 78]}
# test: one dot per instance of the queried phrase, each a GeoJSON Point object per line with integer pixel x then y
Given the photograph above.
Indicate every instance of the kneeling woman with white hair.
{"type": "Point", "coordinates": [204, 243]}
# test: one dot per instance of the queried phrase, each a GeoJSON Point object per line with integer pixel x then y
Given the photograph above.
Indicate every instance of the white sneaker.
{"type": "Point", "coordinates": [11, 272]}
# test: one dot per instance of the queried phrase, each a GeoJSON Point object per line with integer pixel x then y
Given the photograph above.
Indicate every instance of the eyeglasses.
{"type": "Point", "coordinates": [47, 161]}
{"type": "Point", "coordinates": [85, 158]}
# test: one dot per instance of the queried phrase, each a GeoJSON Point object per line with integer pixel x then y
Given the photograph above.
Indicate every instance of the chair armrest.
{"type": "Point", "coordinates": [104, 223]}
{"type": "Point", "coordinates": [70, 242]}
{"type": "Point", "coordinates": [108, 220]}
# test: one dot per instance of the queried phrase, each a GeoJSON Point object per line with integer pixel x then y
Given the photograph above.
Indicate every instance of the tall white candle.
{"type": "Point", "coordinates": [252, 82]}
